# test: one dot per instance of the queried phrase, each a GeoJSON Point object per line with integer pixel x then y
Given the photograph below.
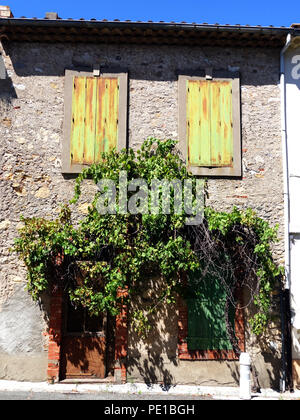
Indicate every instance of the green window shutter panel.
{"type": "Point", "coordinates": [206, 315]}
{"type": "Point", "coordinates": [209, 123]}
{"type": "Point", "coordinates": [94, 126]}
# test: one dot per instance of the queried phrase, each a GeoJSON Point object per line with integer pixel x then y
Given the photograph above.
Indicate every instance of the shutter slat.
{"type": "Point", "coordinates": [90, 120]}
{"type": "Point", "coordinates": [107, 116]}
{"type": "Point", "coordinates": [226, 123]}
{"type": "Point", "coordinates": [216, 152]}
{"type": "Point", "coordinates": [78, 119]}
{"type": "Point", "coordinates": [198, 122]}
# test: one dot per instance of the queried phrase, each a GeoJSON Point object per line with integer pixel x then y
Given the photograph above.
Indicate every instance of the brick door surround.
{"type": "Point", "coordinates": [55, 337]}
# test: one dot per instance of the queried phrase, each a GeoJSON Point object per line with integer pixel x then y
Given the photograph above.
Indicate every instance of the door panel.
{"type": "Point", "coordinates": [83, 349]}
{"type": "Point", "coordinates": [83, 356]}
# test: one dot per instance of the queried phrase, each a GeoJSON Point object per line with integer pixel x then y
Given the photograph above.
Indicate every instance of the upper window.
{"type": "Point", "coordinates": [209, 123]}
{"type": "Point", "coordinates": [95, 117]}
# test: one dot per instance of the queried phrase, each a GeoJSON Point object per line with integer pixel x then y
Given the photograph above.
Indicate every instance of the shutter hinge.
{"type": "Point", "coordinates": [96, 70]}
{"type": "Point", "coordinates": [208, 73]}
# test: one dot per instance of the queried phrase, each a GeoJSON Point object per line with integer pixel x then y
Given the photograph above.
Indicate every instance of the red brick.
{"type": "Point", "coordinates": [121, 334]}
{"type": "Point", "coordinates": [55, 325]}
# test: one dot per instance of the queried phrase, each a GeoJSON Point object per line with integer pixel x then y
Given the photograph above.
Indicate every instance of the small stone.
{"type": "Point", "coordinates": [20, 87]}
{"type": "Point", "coordinates": [20, 225]}
{"type": "Point", "coordinates": [43, 192]}
{"type": "Point", "coordinates": [4, 224]}
{"type": "Point", "coordinates": [8, 175]}
{"type": "Point", "coordinates": [19, 189]}
{"type": "Point", "coordinates": [17, 279]}
{"type": "Point", "coordinates": [83, 208]}
{"type": "Point", "coordinates": [6, 122]}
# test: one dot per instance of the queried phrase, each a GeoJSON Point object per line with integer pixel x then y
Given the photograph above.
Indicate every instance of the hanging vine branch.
{"type": "Point", "coordinates": [105, 252]}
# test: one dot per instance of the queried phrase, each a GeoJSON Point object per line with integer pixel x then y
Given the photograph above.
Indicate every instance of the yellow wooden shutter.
{"type": "Point", "coordinates": [209, 123]}
{"type": "Point", "coordinates": [94, 127]}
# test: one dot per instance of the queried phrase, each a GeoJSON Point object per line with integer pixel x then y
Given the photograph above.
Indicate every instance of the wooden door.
{"type": "Point", "coordinates": [83, 350]}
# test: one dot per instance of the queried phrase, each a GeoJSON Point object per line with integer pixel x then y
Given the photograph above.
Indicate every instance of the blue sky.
{"type": "Point", "coordinates": [255, 12]}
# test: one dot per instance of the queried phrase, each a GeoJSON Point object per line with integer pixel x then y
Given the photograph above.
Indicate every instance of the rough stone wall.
{"type": "Point", "coordinates": [31, 183]}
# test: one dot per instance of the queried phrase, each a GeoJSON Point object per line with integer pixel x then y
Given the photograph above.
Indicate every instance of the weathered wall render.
{"type": "Point", "coordinates": [31, 130]}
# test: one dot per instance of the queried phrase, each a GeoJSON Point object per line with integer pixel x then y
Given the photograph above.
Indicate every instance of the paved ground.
{"type": "Point", "coordinates": [30, 395]}
{"type": "Point", "coordinates": [135, 392]}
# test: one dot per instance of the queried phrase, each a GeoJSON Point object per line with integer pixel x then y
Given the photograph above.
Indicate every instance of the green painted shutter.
{"type": "Point", "coordinates": [94, 127]}
{"type": "Point", "coordinates": [209, 123]}
{"type": "Point", "coordinates": [206, 315]}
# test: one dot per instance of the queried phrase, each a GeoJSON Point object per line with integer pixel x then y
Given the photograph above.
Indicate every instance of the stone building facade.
{"type": "Point", "coordinates": [32, 182]}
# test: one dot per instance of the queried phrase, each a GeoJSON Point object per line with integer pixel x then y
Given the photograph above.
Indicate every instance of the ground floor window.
{"type": "Point", "coordinates": [210, 309]}
{"type": "Point", "coordinates": [211, 322]}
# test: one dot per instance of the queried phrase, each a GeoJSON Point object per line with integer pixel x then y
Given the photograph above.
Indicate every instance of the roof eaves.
{"type": "Point", "coordinates": [60, 30]}
{"type": "Point", "coordinates": [161, 24]}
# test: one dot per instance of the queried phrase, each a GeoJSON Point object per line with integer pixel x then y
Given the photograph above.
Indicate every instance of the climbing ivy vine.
{"type": "Point", "coordinates": [91, 259]}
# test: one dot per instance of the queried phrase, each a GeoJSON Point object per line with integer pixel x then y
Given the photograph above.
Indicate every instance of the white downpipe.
{"type": "Point", "coordinates": [285, 187]}
{"type": "Point", "coordinates": [285, 165]}
{"type": "Point", "coordinates": [245, 379]}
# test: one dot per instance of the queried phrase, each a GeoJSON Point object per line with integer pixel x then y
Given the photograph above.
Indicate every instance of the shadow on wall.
{"type": "Point", "coordinates": [265, 349]}
{"type": "Point", "coordinates": [7, 93]}
{"type": "Point", "coordinates": [153, 358]}
{"type": "Point", "coordinates": [144, 62]}
{"type": "Point", "coordinates": [33, 59]}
